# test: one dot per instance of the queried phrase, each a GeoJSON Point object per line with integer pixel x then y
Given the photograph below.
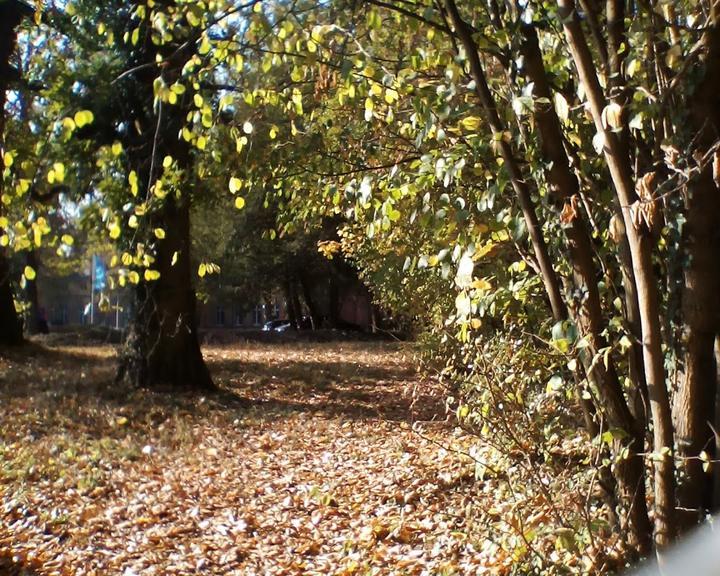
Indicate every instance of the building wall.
{"type": "Point", "coordinates": [66, 298]}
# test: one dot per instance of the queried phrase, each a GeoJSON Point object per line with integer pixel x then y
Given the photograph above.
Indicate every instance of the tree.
{"type": "Point", "coordinates": [11, 13]}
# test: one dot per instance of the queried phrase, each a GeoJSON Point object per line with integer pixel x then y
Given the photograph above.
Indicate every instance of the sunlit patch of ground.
{"type": "Point", "coordinates": [315, 459]}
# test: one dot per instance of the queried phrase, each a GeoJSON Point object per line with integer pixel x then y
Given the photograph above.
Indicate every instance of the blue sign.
{"type": "Point", "coordinates": [99, 274]}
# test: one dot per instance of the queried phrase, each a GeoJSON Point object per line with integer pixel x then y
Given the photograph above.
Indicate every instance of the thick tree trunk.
{"type": "Point", "coordinates": [162, 350]}
{"type": "Point", "coordinates": [334, 301]}
{"type": "Point", "coordinates": [33, 322]}
{"type": "Point", "coordinates": [695, 401]}
{"type": "Point", "coordinates": [648, 299]}
{"type": "Point", "coordinates": [10, 325]}
{"type": "Point", "coordinates": [716, 431]}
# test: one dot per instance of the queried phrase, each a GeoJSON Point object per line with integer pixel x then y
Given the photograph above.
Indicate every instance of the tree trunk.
{"type": "Point", "coordinates": [33, 322]}
{"type": "Point", "coordinates": [310, 301]}
{"type": "Point", "coordinates": [487, 103]}
{"type": "Point", "coordinates": [716, 431]}
{"type": "Point", "coordinates": [695, 401]}
{"type": "Point", "coordinates": [334, 301]}
{"type": "Point", "coordinates": [10, 324]}
{"type": "Point", "coordinates": [564, 187]}
{"type": "Point", "coordinates": [162, 350]}
{"type": "Point", "coordinates": [291, 301]}
{"type": "Point", "coordinates": [640, 403]}
{"type": "Point", "coordinates": [648, 299]}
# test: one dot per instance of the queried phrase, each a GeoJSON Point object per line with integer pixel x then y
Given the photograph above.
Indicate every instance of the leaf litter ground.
{"type": "Point", "coordinates": [330, 458]}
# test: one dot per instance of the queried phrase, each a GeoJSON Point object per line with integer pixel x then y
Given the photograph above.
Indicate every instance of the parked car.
{"type": "Point", "coordinates": [276, 326]}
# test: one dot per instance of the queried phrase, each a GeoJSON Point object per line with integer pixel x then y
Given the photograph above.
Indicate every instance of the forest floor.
{"type": "Point", "coordinates": [330, 458]}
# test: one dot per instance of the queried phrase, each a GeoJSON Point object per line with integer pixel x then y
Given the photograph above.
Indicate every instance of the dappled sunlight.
{"type": "Point", "coordinates": [305, 461]}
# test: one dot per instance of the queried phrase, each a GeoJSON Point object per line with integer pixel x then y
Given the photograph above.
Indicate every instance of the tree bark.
{"type": "Point", "coordinates": [306, 285]}
{"type": "Point", "coordinates": [648, 299]}
{"type": "Point", "coordinates": [10, 324]}
{"type": "Point", "coordinates": [291, 300]}
{"type": "Point", "coordinates": [716, 431]}
{"type": "Point", "coordinates": [33, 323]}
{"type": "Point", "coordinates": [565, 188]}
{"type": "Point", "coordinates": [162, 350]}
{"type": "Point", "coordinates": [695, 401]}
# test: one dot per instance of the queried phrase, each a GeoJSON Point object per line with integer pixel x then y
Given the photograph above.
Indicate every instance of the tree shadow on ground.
{"type": "Point", "coordinates": [76, 384]}
{"type": "Point", "coordinates": [11, 566]}
{"type": "Point", "coordinates": [333, 388]}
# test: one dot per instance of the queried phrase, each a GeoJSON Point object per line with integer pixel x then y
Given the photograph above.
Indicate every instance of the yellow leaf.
{"type": "Point", "coordinates": [202, 270]}
{"type": "Point", "coordinates": [612, 116]}
{"type": "Point", "coordinates": [8, 159]}
{"type": "Point", "coordinates": [151, 275]}
{"type": "Point", "coordinates": [134, 277]}
{"type": "Point", "coordinates": [167, 161]}
{"type": "Point", "coordinates": [391, 95]}
{"type": "Point", "coordinates": [235, 184]}
{"type": "Point", "coordinates": [471, 123]}
{"type": "Point", "coordinates": [126, 259]}
{"type": "Point", "coordinates": [117, 148]}
{"type": "Point", "coordinates": [114, 231]}
{"type": "Point", "coordinates": [159, 233]}
{"type": "Point", "coordinates": [481, 284]}
{"type": "Point", "coordinates": [59, 169]}
{"type": "Point", "coordinates": [201, 142]}
{"type": "Point", "coordinates": [67, 239]}
{"type": "Point", "coordinates": [29, 273]}
{"type": "Point", "coordinates": [239, 202]}
{"type": "Point", "coordinates": [83, 117]}
{"type": "Point", "coordinates": [133, 180]}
